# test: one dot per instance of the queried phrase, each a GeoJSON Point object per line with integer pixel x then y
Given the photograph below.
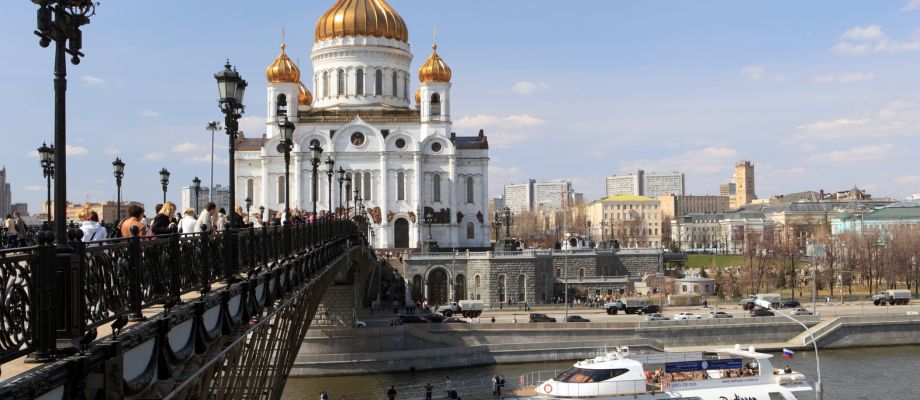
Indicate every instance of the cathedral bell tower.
{"type": "Point", "coordinates": [286, 94]}
{"type": "Point", "coordinates": [433, 96]}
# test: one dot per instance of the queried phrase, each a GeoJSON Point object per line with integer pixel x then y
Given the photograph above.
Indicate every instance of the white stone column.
{"type": "Point", "coordinates": [384, 237]}
{"type": "Point", "coordinates": [452, 172]}
{"type": "Point", "coordinates": [416, 190]}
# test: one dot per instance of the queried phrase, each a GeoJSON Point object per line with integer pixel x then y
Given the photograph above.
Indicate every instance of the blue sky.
{"type": "Point", "coordinates": [818, 94]}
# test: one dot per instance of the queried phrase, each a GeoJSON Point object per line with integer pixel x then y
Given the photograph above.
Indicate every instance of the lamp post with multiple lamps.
{"type": "Point", "coordinates": [213, 126]}
{"type": "Point", "coordinates": [315, 153]}
{"type": "Point", "coordinates": [196, 186]}
{"type": "Point", "coordinates": [285, 147]}
{"type": "Point", "coordinates": [261, 214]}
{"type": "Point", "coordinates": [60, 21]}
{"type": "Point", "coordinates": [507, 243]}
{"type": "Point", "coordinates": [231, 88]}
{"type": "Point", "coordinates": [164, 180]}
{"type": "Point", "coordinates": [46, 156]}
{"type": "Point", "coordinates": [330, 170]}
{"type": "Point", "coordinates": [341, 176]}
{"type": "Point", "coordinates": [118, 168]}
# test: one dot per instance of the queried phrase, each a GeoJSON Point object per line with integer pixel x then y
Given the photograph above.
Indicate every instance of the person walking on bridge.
{"type": "Point", "coordinates": [428, 389]}
{"type": "Point", "coordinates": [391, 394]}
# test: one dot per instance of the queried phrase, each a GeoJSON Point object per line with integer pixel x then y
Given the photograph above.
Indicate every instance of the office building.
{"type": "Point", "coordinates": [520, 197]}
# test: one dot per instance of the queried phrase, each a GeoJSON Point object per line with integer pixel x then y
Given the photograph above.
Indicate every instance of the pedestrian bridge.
{"type": "Point", "coordinates": [178, 316]}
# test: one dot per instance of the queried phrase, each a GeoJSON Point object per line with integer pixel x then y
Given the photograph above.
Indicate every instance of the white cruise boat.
{"type": "Point", "coordinates": [726, 374]}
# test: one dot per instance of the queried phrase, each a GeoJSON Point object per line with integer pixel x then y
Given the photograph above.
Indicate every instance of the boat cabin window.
{"type": "Point", "coordinates": [581, 375]}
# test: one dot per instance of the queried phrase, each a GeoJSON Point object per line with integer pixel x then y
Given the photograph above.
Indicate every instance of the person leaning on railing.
{"type": "Point", "coordinates": [207, 218]}
{"type": "Point", "coordinates": [162, 223]}
{"type": "Point", "coordinates": [135, 212]}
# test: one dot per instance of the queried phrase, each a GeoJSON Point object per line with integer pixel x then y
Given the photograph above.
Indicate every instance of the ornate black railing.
{"type": "Point", "coordinates": [49, 293]}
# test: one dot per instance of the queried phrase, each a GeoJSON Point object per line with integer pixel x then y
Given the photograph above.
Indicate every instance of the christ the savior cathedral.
{"type": "Point", "coordinates": [401, 157]}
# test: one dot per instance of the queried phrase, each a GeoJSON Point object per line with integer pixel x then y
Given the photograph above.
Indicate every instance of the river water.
{"type": "Point", "coordinates": [850, 374]}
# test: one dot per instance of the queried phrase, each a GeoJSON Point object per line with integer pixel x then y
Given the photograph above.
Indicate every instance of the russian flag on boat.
{"type": "Point", "coordinates": [788, 353]}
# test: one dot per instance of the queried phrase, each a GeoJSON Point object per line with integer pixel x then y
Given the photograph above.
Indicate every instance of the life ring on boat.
{"type": "Point", "coordinates": [547, 388]}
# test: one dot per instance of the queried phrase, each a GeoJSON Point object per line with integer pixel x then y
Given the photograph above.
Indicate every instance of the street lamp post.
{"type": "Point", "coordinates": [60, 21]}
{"type": "Point", "coordinates": [231, 88]}
{"type": "Point", "coordinates": [262, 213]}
{"type": "Point", "coordinates": [119, 170]}
{"type": "Point", "coordinates": [46, 155]}
{"type": "Point", "coordinates": [213, 126]}
{"type": "Point", "coordinates": [248, 205]}
{"type": "Point", "coordinates": [819, 395]}
{"type": "Point", "coordinates": [164, 180]}
{"type": "Point", "coordinates": [347, 196]}
{"type": "Point", "coordinates": [196, 186]}
{"type": "Point", "coordinates": [315, 153]}
{"type": "Point", "coordinates": [330, 170]}
{"type": "Point", "coordinates": [341, 175]}
{"type": "Point", "coordinates": [285, 147]}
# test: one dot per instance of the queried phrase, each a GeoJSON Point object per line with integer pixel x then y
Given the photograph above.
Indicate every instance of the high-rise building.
{"type": "Point", "coordinates": [520, 197]}
{"type": "Point", "coordinates": [21, 208]}
{"type": "Point", "coordinates": [6, 196]}
{"type": "Point", "coordinates": [221, 198]}
{"type": "Point", "coordinates": [550, 195]}
{"type": "Point", "coordinates": [649, 185]}
{"type": "Point", "coordinates": [663, 184]}
{"type": "Point", "coordinates": [744, 183]}
{"type": "Point", "coordinates": [625, 184]}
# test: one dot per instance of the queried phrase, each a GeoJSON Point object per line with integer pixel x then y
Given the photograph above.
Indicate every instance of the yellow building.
{"type": "Point", "coordinates": [633, 220]}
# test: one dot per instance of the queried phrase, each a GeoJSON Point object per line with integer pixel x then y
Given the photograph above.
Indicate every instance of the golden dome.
{"type": "Point", "coordinates": [418, 96]}
{"type": "Point", "coordinates": [305, 98]}
{"type": "Point", "coordinates": [282, 70]}
{"type": "Point", "coordinates": [434, 69]}
{"type": "Point", "coordinates": [361, 18]}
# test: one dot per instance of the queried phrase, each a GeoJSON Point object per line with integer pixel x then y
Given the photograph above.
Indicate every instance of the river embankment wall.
{"type": "Point", "coordinates": [331, 351]}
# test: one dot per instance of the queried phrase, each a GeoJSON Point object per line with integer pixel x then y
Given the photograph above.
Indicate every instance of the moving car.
{"type": "Point", "coordinates": [720, 314]}
{"type": "Point", "coordinates": [453, 320]}
{"type": "Point", "coordinates": [801, 311]}
{"type": "Point", "coordinates": [761, 312]}
{"type": "Point", "coordinates": [791, 304]}
{"type": "Point", "coordinates": [657, 317]}
{"type": "Point", "coordinates": [536, 317]}
{"type": "Point", "coordinates": [576, 318]}
{"type": "Point", "coordinates": [686, 316]}
{"type": "Point", "coordinates": [408, 319]}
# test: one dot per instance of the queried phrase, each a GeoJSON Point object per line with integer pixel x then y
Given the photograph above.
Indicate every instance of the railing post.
{"type": "Point", "coordinates": [42, 313]}
{"type": "Point", "coordinates": [203, 262]}
{"type": "Point", "coordinates": [135, 297]}
{"type": "Point", "coordinates": [176, 262]}
{"type": "Point", "coordinates": [69, 278]}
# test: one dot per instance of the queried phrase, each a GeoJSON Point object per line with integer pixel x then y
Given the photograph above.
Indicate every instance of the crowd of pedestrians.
{"type": "Point", "coordinates": [14, 231]}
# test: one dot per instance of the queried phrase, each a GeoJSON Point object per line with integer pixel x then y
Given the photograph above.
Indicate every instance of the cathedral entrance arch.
{"type": "Point", "coordinates": [437, 286]}
{"type": "Point", "coordinates": [401, 233]}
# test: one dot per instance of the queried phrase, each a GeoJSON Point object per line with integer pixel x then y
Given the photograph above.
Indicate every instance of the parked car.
{"type": "Point", "coordinates": [791, 304]}
{"type": "Point", "coordinates": [360, 324]}
{"type": "Point", "coordinates": [761, 312]}
{"type": "Point", "coordinates": [686, 316]}
{"type": "Point", "coordinates": [657, 317]}
{"type": "Point", "coordinates": [408, 319]}
{"type": "Point", "coordinates": [577, 318]}
{"type": "Point", "coordinates": [720, 314]}
{"type": "Point", "coordinates": [801, 311]}
{"type": "Point", "coordinates": [536, 317]}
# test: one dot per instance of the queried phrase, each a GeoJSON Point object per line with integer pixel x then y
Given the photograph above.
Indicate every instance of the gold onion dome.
{"type": "Point", "coordinates": [418, 96]}
{"type": "Point", "coordinates": [283, 70]}
{"type": "Point", "coordinates": [305, 98]}
{"type": "Point", "coordinates": [361, 18]}
{"type": "Point", "coordinates": [434, 69]}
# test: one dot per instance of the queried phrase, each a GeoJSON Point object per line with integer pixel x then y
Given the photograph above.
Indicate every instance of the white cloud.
{"type": "Point", "coordinates": [185, 147]}
{"type": "Point", "coordinates": [525, 87]}
{"type": "Point", "coordinates": [912, 5]}
{"type": "Point", "coordinates": [846, 77]}
{"type": "Point", "coordinates": [760, 72]}
{"type": "Point", "coordinates": [206, 158]}
{"type": "Point", "coordinates": [507, 130]}
{"type": "Point", "coordinates": [701, 161]}
{"type": "Point", "coordinates": [900, 117]}
{"type": "Point", "coordinates": [153, 156]}
{"type": "Point", "coordinates": [111, 151]}
{"type": "Point", "coordinates": [34, 188]}
{"type": "Point", "coordinates": [868, 39]}
{"type": "Point", "coordinates": [92, 80]}
{"type": "Point", "coordinates": [252, 127]}
{"type": "Point", "coordinates": [77, 150]}
{"type": "Point", "coordinates": [150, 113]}
{"type": "Point", "coordinates": [857, 154]}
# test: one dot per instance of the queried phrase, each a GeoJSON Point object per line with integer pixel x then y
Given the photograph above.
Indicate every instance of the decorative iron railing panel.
{"type": "Point", "coordinates": [15, 303]}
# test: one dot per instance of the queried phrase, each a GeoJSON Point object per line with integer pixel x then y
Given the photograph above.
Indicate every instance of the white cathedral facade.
{"type": "Point", "coordinates": [402, 156]}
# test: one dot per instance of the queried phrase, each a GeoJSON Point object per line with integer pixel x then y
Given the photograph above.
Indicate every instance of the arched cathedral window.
{"type": "Point", "coordinates": [435, 104]}
{"type": "Point", "coordinates": [281, 105]}
{"type": "Point", "coordinates": [378, 83]}
{"type": "Point", "coordinates": [281, 198]}
{"type": "Point", "coordinates": [359, 82]}
{"type": "Point", "coordinates": [325, 83]}
{"type": "Point", "coordinates": [367, 186]}
{"type": "Point", "coordinates": [469, 190]}
{"type": "Point", "coordinates": [436, 188]}
{"type": "Point", "coordinates": [400, 186]}
{"type": "Point", "coordinates": [470, 231]}
{"type": "Point", "coordinates": [395, 88]}
{"type": "Point", "coordinates": [341, 83]}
